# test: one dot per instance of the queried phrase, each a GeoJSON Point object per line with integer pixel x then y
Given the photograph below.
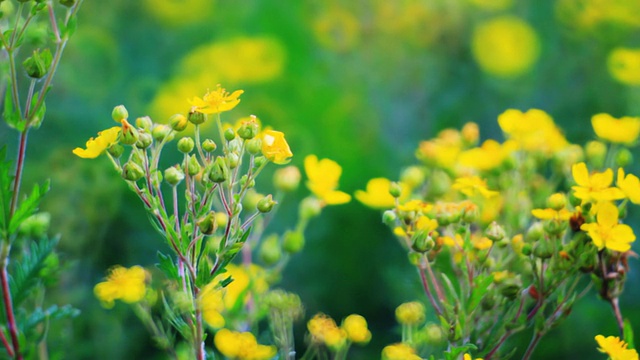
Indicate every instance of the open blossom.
{"type": "Point", "coordinates": [377, 195]}
{"type": "Point", "coordinates": [630, 186]}
{"type": "Point", "coordinates": [323, 180]}
{"type": "Point", "coordinates": [275, 147]}
{"type": "Point", "coordinates": [615, 348]}
{"type": "Point", "coordinates": [242, 346]}
{"type": "Point", "coordinates": [606, 232]}
{"type": "Point", "coordinates": [217, 101]}
{"type": "Point", "coordinates": [128, 285]}
{"type": "Point", "coordinates": [473, 185]}
{"type": "Point", "coordinates": [533, 130]}
{"type": "Point", "coordinates": [595, 187]}
{"type": "Point", "coordinates": [624, 65]}
{"type": "Point", "coordinates": [95, 147]}
{"type": "Point", "coordinates": [552, 214]}
{"type": "Point", "coordinates": [624, 130]}
{"type": "Point", "coordinates": [488, 156]}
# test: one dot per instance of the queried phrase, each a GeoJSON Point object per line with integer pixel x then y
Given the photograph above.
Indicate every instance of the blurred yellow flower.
{"type": "Point", "coordinates": [624, 65]}
{"type": "Point", "coordinates": [473, 185]}
{"type": "Point", "coordinates": [275, 147]}
{"type": "Point", "coordinates": [615, 348]}
{"type": "Point", "coordinates": [211, 305]}
{"type": "Point", "coordinates": [95, 147]}
{"type": "Point", "coordinates": [217, 101]}
{"type": "Point", "coordinates": [416, 205]}
{"type": "Point", "coordinates": [505, 46]}
{"type": "Point", "coordinates": [606, 232]}
{"type": "Point", "coordinates": [589, 14]}
{"type": "Point", "coordinates": [533, 130]}
{"type": "Point", "coordinates": [442, 151]}
{"type": "Point", "coordinates": [179, 12]}
{"type": "Point", "coordinates": [488, 156]}
{"type": "Point", "coordinates": [410, 313]}
{"type": "Point", "coordinates": [468, 357]}
{"type": "Point", "coordinates": [624, 130]}
{"type": "Point", "coordinates": [247, 281]}
{"type": "Point", "coordinates": [377, 195]}
{"type": "Point", "coordinates": [323, 180]}
{"type": "Point", "coordinates": [337, 29]}
{"type": "Point", "coordinates": [400, 351]}
{"type": "Point", "coordinates": [242, 346]}
{"type": "Point", "coordinates": [324, 330]}
{"type": "Point", "coordinates": [426, 224]}
{"type": "Point", "coordinates": [481, 242]}
{"type": "Point", "coordinates": [630, 186]}
{"type": "Point", "coordinates": [356, 327]}
{"type": "Point", "coordinates": [128, 285]}
{"type": "Point", "coordinates": [551, 214]}
{"type": "Point", "coordinates": [596, 187]}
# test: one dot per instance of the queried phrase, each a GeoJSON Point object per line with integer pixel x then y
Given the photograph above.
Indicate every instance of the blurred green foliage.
{"type": "Point", "coordinates": [358, 82]}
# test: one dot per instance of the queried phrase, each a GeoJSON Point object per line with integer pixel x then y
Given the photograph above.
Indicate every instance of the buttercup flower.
{"type": "Point", "coordinates": [473, 185]}
{"type": "Point", "coordinates": [323, 180]}
{"type": "Point", "coordinates": [630, 186]}
{"type": "Point", "coordinates": [356, 328]}
{"type": "Point", "coordinates": [615, 348]}
{"type": "Point", "coordinates": [596, 187]}
{"type": "Point", "coordinates": [128, 285]}
{"type": "Point", "coordinates": [97, 146]}
{"type": "Point", "coordinates": [399, 351]}
{"type": "Point", "coordinates": [275, 147]}
{"type": "Point", "coordinates": [606, 232]}
{"type": "Point", "coordinates": [377, 195]}
{"type": "Point", "coordinates": [488, 156]}
{"type": "Point", "coordinates": [624, 130]}
{"type": "Point", "coordinates": [551, 214]}
{"type": "Point", "coordinates": [624, 65]}
{"type": "Point", "coordinates": [217, 101]}
{"type": "Point", "coordinates": [211, 304]}
{"type": "Point", "coordinates": [533, 130]}
{"type": "Point", "coordinates": [242, 346]}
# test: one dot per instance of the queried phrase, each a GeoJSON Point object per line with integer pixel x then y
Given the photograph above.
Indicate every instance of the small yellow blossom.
{"type": "Point", "coordinates": [128, 285]}
{"type": "Point", "coordinates": [606, 232]}
{"type": "Point", "coordinates": [473, 185]}
{"type": "Point", "coordinates": [630, 186]}
{"type": "Point", "coordinates": [624, 130]}
{"type": "Point", "coordinates": [323, 180]}
{"type": "Point", "coordinates": [377, 195]}
{"type": "Point", "coordinates": [416, 205]}
{"type": "Point", "coordinates": [410, 313]}
{"type": "Point", "coordinates": [551, 214]}
{"type": "Point", "coordinates": [624, 65]}
{"type": "Point", "coordinates": [488, 156]}
{"type": "Point", "coordinates": [533, 130]}
{"type": "Point", "coordinates": [323, 329]}
{"type": "Point", "coordinates": [615, 348]}
{"type": "Point", "coordinates": [596, 187]}
{"type": "Point", "coordinates": [517, 243]}
{"type": "Point", "coordinates": [356, 328]}
{"type": "Point", "coordinates": [211, 303]}
{"type": "Point", "coordinates": [217, 101]}
{"type": "Point", "coordinates": [97, 146]}
{"type": "Point", "coordinates": [400, 351]}
{"type": "Point", "coordinates": [499, 276]}
{"type": "Point", "coordinates": [455, 241]}
{"type": "Point", "coordinates": [242, 346]}
{"type": "Point", "coordinates": [246, 282]}
{"type": "Point", "coordinates": [481, 243]}
{"type": "Point", "coordinates": [468, 357]}
{"type": "Point", "coordinates": [426, 224]}
{"type": "Point", "coordinates": [275, 147]}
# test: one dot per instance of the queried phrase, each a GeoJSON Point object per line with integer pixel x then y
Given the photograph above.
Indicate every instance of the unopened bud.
{"type": "Point", "coordinates": [389, 218]}
{"type": "Point", "coordinates": [196, 117]}
{"type": "Point", "coordinates": [395, 189]}
{"type": "Point", "coordinates": [249, 129]}
{"type": "Point", "coordinates": [535, 232]}
{"type": "Point", "coordinates": [173, 175]}
{"type": "Point", "coordinates": [144, 140]}
{"type": "Point", "coordinates": [116, 150]}
{"type": "Point", "coordinates": [178, 122]}
{"type": "Point", "coordinates": [266, 204]}
{"type": "Point", "coordinates": [293, 242]}
{"type": "Point", "coordinates": [596, 152]}
{"type": "Point", "coordinates": [193, 166]}
{"type": "Point", "coordinates": [145, 123]}
{"type": "Point", "coordinates": [310, 207]}
{"type": "Point", "coordinates": [161, 132]}
{"type": "Point", "coordinates": [229, 134]}
{"type": "Point", "coordinates": [132, 171]}
{"type": "Point", "coordinates": [470, 133]}
{"type": "Point", "coordinates": [287, 179]}
{"type": "Point", "coordinates": [495, 232]}
{"type": "Point", "coordinates": [421, 241]}
{"type": "Point", "coordinates": [244, 179]}
{"type": "Point", "coordinates": [119, 113]}
{"type": "Point", "coordinates": [557, 201]}
{"type": "Point", "coordinates": [38, 64]}
{"type": "Point", "coordinates": [510, 287]}
{"type": "Point", "coordinates": [270, 251]}
{"type": "Point", "coordinates": [234, 160]}
{"type": "Point", "coordinates": [209, 145]}
{"type": "Point", "coordinates": [129, 134]}
{"type": "Point", "coordinates": [219, 171]}
{"type": "Point", "coordinates": [413, 176]}
{"type": "Point", "coordinates": [185, 145]}
{"type": "Point", "coordinates": [207, 224]}
{"type": "Point", "coordinates": [254, 146]}
{"type": "Point", "coordinates": [543, 250]}
{"type": "Point", "coordinates": [624, 158]}
{"type": "Point", "coordinates": [259, 161]}
{"type": "Point", "coordinates": [68, 3]}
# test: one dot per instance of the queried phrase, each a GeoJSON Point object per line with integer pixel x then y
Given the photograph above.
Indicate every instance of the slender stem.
{"type": "Point", "coordinates": [532, 345]}
{"type": "Point", "coordinates": [8, 306]}
{"type": "Point", "coordinates": [615, 305]}
{"type": "Point", "coordinates": [5, 342]}
{"type": "Point", "coordinates": [22, 149]}
{"type": "Point", "coordinates": [434, 280]}
{"type": "Point", "coordinates": [427, 290]}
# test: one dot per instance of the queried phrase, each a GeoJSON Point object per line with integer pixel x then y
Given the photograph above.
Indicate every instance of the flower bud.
{"type": "Point", "coordinates": [254, 146]}
{"type": "Point", "coordinates": [410, 313]}
{"type": "Point", "coordinates": [132, 171]}
{"type": "Point", "coordinates": [243, 182]}
{"type": "Point", "coordinates": [196, 117]}
{"type": "Point", "coordinates": [413, 176]}
{"type": "Point", "coordinates": [293, 242]}
{"type": "Point", "coordinates": [249, 129]}
{"type": "Point", "coordinates": [543, 250]}
{"type": "Point", "coordinates": [270, 251]}
{"type": "Point", "coordinates": [434, 334]}
{"type": "Point", "coordinates": [219, 171]}
{"type": "Point", "coordinates": [209, 145]}
{"type": "Point", "coordinates": [394, 189]}
{"type": "Point", "coordinates": [145, 123]}
{"type": "Point", "coordinates": [414, 258]}
{"type": "Point", "coordinates": [207, 224]}
{"type": "Point", "coordinates": [389, 217]}
{"type": "Point", "coordinates": [173, 175]}
{"type": "Point", "coordinates": [310, 207]}
{"type": "Point", "coordinates": [37, 65]}
{"type": "Point", "coordinates": [116, 150]}
{"type": "Point", "coordinates": [535, 232]}
{"type": "Point", "coordinates": [119, 113]}
{"type": "Point", "coordinates": [178, 122]}
{"type": "Point", "coordinates": [470, 133]}
{"type": "Point", "coordinates": [185, 145]}
{"type": "Point", "coordinates": [144, 140]}
{"type": "Point", "coordinates": [287, 179]}
{"type": "Point", "coordinates": [526, 249]}
{"type": "Point", "coordinates": [234, 160]}
{"type": "Point", "coordinates": [510, 287]}
{"type": "Point", "coordinates": [193, 166]}
{"type": "Point", "coordinates": [596, 153]}
{"type": "Point", "coordinates": [266, 204]}
{"type": "Point", "coordinates": [557, 201]}
{"type": "Point", "coordinates": [624, 158]}
{"type": "Point", "coordinates": [68, 3]}
{"type": "Point", "coordinates": [495, 232]}
{"type": "Point", "coordinates": [229, 134]}
{"type": "Point", "coordinates": [161, 132]}
{"type": "Point", "coordinates": [129, 134]}
{"type": "Point", "coordinates": [259, 161]}
{"type": "Point", "coordinates": [421, 241]}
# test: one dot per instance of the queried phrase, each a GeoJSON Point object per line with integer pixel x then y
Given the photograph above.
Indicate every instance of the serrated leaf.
{"type": "Point", "coordinates": [176, 321]}
{"type": "Point", "coordinates": [52, 313]}
{"type": "Point", "coordinates": [26, 273]}
{"type": "Point", "coordinates": [167, 266]}
{"type": "Point", "coordinates": [28, 206]}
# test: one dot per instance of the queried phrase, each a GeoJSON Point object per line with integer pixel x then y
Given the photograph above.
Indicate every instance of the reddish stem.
{"type": "Point", "coordinates": [8, 307]}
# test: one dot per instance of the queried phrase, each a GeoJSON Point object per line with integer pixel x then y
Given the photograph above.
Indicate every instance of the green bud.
{"type": "Point", "coordinates": [207, 224]}
{"type": "Point", "coordinates": [243, 182]}
{"type": "Point", "coordinates": [68, 3]}
{"type": "Point", "coordinates": [543, 250]}
{"type": "Point", "coordinates": [510, 287]}
{"type": "Point", "coordinates": [234, 160]}
{"type": "Point", "coordinates": [535, 232]}
{"type": "Point", "coordinates": [132, 171]}
{"type": "Point", "coordinates": [413, 176]}
{"type": "Point", "coordinates": [488, 302]}
{"type": "Point", "coordinates": [144, 140]}
{"type": "Point", "coordinates": [145, 123]}
{"type": "Point", "coordinates": [553, 227]}
{"type": "Point", "coordinates": [293, 242]}
{"type": "Point", "coordinates": [495, 232]}
{"type": "Point", "coordinates": [193, 166]}
{"type": "Point", "coordinates": [161, 132]}
{"type": "Point", "coordinates": [434, 334]}
{"type": "Point", "coordinates": [624, 158]}
{"type": "Point", "coordinates": [185, 145]}
{"type": "Point", "coordinates": [287, 179]}
{"type": "Point", "coordinates": [254, 146]}
{"type": "Point", "coordinates": [37, 65]}
{"type": "Point", "coordinates": [116, 150]}
{"type": "Point", "coordinates": [249, 129]}
{"type": "Point", "coordinates": [36, 225]}
{"type": "Point", "coordinates": [421, 241]}
{"type": "Point", "coordinates": [129, 134]}
{"type": "Point", "coordinates": [119, 113]}
{"type": "Point", "coordinates": [196, 117]}
{"type": "Point", "coordinates": [310, 207]}
{"type": "Point", "coordinates": [266, 204]}
{"type": "Point", "coordinates": [178, 122]}
{"type": "Point", "coordinates": [395, 190]}
{"type": "Point", "coordinates": [389, 218]}
{"type": "Point", "coordinates": [414, 258]}
{"type": "Point", "coordinates": [209, 145]}
{"type": "Point", "coordinates": [596, 153]}
{"type": "Point", "coordinates": [440, 183]}
{"type": "Point", "coordinates": [287, 303]}
{"type": "Point", "coordinates": [173, 175]}
{"type": "Point", "coordinates": [259, 161]}
{"type": "Point", "coordinates": [270, 251]}
{"type": "Point", "coordinates": [557, 201]}
{"type": "Point", "coordinates": [219, 171]}
{"type": "Point", "coordinates": [229, 134]}
{"type": "Point", "coordinates": [526, 249]}
{"type": "Point", "coordinates": [251, 199]}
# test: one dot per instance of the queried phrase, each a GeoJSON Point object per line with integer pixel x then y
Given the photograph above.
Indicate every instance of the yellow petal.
{"type": "Point", "coordinates": [580, 174]}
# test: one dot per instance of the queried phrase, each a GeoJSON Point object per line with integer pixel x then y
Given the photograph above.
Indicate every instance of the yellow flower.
{"type": "Point", "coordinates": [630, 186]}
{"type": "Point", "coordinates": [551, 214]}
{"type": "Point", "coordinates": [624, 65]}
{"type": "Point", "coordinates": [400, 351]}
{"type": "Point", "coordinates": [323, 329]}
{"type": "Point", "coordinates": [242, 346]}
{"type": "Point", "coordinates": [606, 232]}
{"type": "Point", "coordinates": [217, 101]}
{"type": "Point", "coordinates": [97, 146]}
{"type": "Point", "coordinates": [176, 13]}
{"type": "Point", "coordinates": [356, 328]}
{"type": "Point", "coordinates": [128, 285]}
{"type": "Point", "coordinates": [473, 185]}
{"type": "Point", "coordinates": [410, 313]}
{"type": "Point", "coordinates": [275, 147]}
{"type": "Point", "coordinates": [624, 130]}
{"type": "Point", "coordinates": [468, 357]}
{"type": "Point", "coordinates": [505, 46]}
{"type": "Point", "coordinates": [377, 195]}
{"type": "Point", "coordinates": [615, 348]}
{"type": "Point", "coordinates": [489, 155]}
{"type": "Point", "coordinates": [533, 130]}
{"type": "Point", "coordinates": [211, 304]}
{"type": "Point", "coordinates": [416, 205]}
{"type": "Point", "coordinates": [323, 180]}
{"type": "Point", "coordinates": [246, 281]}
{"type": "Point", "coordinates": [594, 187]}
{"type": "Point", "coordinates": [481, 243]}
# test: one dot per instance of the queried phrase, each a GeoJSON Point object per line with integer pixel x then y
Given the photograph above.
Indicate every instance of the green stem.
{"type": "Point", "coordinates": [532, 345]}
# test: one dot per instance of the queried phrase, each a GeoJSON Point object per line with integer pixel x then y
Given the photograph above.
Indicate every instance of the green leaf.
{"type": "Point", "coordinates": [72, 25]}
{"type": "Point", "coordinates": [52, 313]}
{"type": "Point", "coordinates": [28, 206]}
{"type": "Point", "coordinates": [176, 321]}
{"type": "Point", "coordinates": [26, 273]}
{"type": "Point", "coordinates": [12, 116]}
{"type": "Point", "coordinates": [482, 283]}
{"type": "Point", "coordinates": [627, 332]}
{"type": "Point", "coordinates": [167, 266]}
